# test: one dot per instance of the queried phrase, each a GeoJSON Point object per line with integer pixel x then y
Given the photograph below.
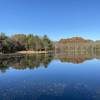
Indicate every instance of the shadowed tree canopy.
{"type": "Point", "coordinates": [19, 42]}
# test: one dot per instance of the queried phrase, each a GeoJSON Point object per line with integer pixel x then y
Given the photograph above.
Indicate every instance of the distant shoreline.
{"type": "Point", "coordinates": [27, 52]}
{"type": "Point", "coordinates": [22, 53]}
{"type": "Point", "coordinates": [33, 52]}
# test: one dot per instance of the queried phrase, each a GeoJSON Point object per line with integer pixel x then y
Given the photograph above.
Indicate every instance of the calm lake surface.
{"type": "Point", "coordinates": [51, 77]}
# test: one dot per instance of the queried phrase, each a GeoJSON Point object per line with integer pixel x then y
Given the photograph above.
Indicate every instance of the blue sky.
{"type": "Point", "coordinates": [56, 18]}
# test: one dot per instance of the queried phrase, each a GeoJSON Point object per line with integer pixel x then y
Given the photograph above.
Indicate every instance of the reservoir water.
{"type": "Point", "coordinates": [50, 77]}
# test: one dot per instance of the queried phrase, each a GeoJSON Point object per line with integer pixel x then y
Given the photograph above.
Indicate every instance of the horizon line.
{"type": "Point", "coordinates": [41, 35]}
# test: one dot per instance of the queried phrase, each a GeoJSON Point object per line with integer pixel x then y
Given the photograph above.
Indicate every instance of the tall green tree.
{"type": "Point", "coordinates": [47, 43]}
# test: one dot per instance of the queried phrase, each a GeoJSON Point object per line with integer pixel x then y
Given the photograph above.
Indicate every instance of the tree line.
{"type": "Point", "coordinates": [19, 42]}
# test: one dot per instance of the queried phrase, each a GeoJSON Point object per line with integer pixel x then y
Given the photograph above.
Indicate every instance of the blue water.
{"type": "Point", "coordinates": [57, 81]}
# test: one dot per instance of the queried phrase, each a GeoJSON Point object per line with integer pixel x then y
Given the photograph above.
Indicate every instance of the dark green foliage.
{"type": "Point", "coordinates": [47, 43]}
{"type": "Point", "coordinates": [21, 42]}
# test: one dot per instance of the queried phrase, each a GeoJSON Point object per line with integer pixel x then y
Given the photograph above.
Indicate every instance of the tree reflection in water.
{"type": "Point", "coordinates": [37, 60]}
{"type": "Point", "coordinates": [78, 56]}
{"type": "Point", "coordinates": [26, 61]}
